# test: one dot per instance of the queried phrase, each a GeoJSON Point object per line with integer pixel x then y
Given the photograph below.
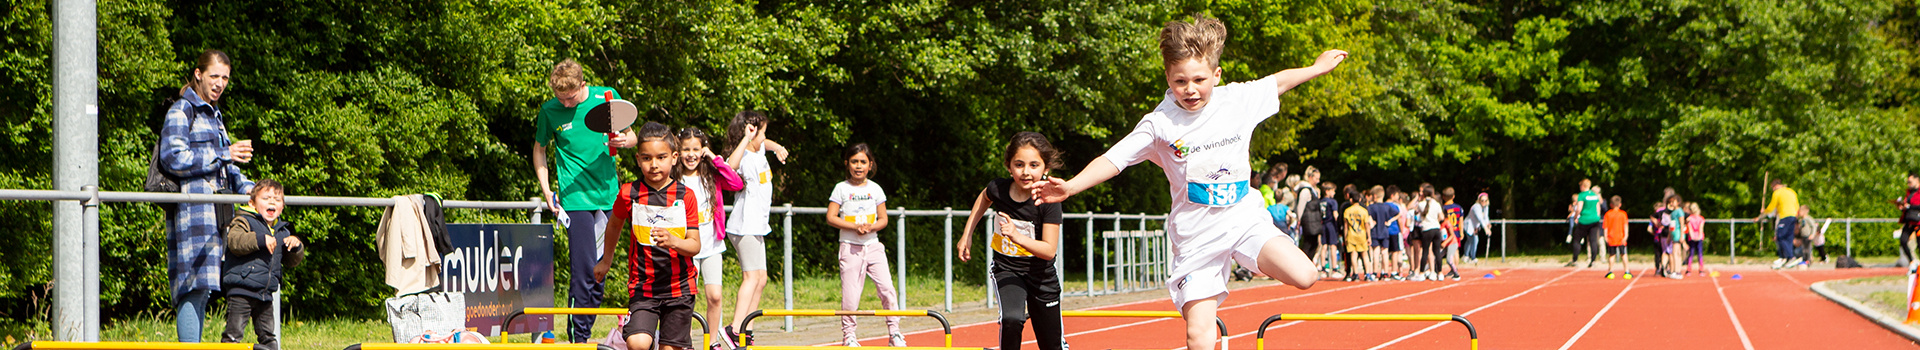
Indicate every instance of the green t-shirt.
{"type": "Point", "coordinates": [1589, 207]}
{"type": "Point", "coordinates": [587, 175]}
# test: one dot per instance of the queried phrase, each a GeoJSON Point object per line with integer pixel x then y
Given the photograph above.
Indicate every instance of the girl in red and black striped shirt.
{"type": "Point", "coordinates": [660, 272]}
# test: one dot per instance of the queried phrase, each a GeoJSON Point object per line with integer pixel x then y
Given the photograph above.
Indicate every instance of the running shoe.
{"type": "Point", "coordinates": [1419, 277]}
{"type": "Point", "coordinates": [896, 340]}
{"type": "Point", "coordinates": [1777, 263]}
{"type": "Point", "coordinates": [1609, 274]}
{"type": "Point", "coordinates": [850, 343]}
{"type": "Point", "coordinates": [1629, 275]}
{"type": "Point", "coordinates": [1455, 275]}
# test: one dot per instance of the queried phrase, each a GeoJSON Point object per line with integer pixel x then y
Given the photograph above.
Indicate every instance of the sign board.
{"type": "Point", "coordinates": [501, 268]}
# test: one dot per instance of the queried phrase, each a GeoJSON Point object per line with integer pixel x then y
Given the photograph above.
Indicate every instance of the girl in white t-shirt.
{"type": "Point", "coordinates": [1200, 137]}
{"type": "Point", "coordinates": [708, 174]}
{"type": "Point", "coordinates": [858, 207]}
{"type": "Point", "coordinates": [747, 226]}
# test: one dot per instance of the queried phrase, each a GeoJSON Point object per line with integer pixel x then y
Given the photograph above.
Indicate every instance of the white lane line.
{"type": "Point", "coordinates": [1437, 325]}
{"type": "Point", "coordinates": [1162, 300]}
{"type": "Point", "coordinates": [1789, 277]}
{"type": "Point", "coordinates": [1603, 311]}
{"type": "Point", "coordinates": [1737, 328]}
{"type": "Point", "coordinates": [1382, 301]}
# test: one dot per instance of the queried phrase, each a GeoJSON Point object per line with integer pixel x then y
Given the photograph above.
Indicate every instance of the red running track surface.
{"type": "Point", "coordinates": [1544, 308]}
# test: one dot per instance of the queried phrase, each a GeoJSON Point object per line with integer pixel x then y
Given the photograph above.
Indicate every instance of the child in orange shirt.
{"type": "Point", "coordinates": [1615, 223]}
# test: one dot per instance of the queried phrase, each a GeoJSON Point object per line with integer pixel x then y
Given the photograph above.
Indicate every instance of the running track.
{"type": "Point", "coordinates": [1534, 308]}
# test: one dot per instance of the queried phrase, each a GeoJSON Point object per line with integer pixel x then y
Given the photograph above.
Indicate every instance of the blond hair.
{"type": "Point", "coordinates": [1203, 39]}
{"type": "Point", "coordinates": [566, 77]}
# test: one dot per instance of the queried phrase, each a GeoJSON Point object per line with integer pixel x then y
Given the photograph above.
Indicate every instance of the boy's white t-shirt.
{"type": "Point", "coordinates": [1205, 156]}
{"type": "Point", "coordinates": [709, 246]}
{"type": "Point", "coordinates": [859, 205]}
{"type": "Point", "coordinates": [752, 205]}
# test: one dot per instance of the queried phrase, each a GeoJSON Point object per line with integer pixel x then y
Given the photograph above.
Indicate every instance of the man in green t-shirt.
{"type": "Point", "coordinates": [588, 180]}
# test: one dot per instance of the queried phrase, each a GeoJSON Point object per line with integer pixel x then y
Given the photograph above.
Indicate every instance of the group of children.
{"type": "Point", "coordinates": [1387, 234]}
{"type": "Point", "coordinates": [1199, 135]}
{"type": "Point", "coordinates": [1678, 229]}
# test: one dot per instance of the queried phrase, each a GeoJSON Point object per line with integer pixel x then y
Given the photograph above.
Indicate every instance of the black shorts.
{"type": "Point", "coordinates": [673, 317]}
{"type": "Point", "coordinates": [1617, 250]}
{"type": "Point", "coordinates": [1393, 243]}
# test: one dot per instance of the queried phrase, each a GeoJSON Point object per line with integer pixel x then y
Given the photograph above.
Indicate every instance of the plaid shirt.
{"type": "Point", "coordinates": [652, 271]}
{"type": "Point", "coordinates": [196, 152]}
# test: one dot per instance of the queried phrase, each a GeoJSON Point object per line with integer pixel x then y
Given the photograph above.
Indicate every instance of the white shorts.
{"type": "Point", "coordinates": [752, 250]}
{"type": "Point", "coordinates": [1201, 275]}
{"type": "Point", "coordinates": [710, 269]}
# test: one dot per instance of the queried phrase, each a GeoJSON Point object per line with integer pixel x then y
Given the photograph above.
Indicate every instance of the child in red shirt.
{"type": "Point", "coordinates": [1615, 223]}
{"type": "Point", "coordinates": [660, 272]}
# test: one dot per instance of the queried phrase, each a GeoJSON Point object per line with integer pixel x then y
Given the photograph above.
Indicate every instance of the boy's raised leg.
{"type": "Point", "coordinates": [1282, 260]}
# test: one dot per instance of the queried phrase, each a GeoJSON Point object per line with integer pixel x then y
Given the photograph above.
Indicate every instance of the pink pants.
{"type": "Point", "coordinates": [858, 262]}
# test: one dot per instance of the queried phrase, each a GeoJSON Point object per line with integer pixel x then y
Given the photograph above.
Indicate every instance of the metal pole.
{"type": "Point", "coordinates": [1849, 237]}
{"type": "Point", "coordinates": [986, 226]}
{"type": "Point", "coordinates": [1503, 241]}
{"type": "Point", "coordinates": [90, 223]}
{"type": "Point", "coordinates": [1146, 249]}
{"type": "Point", "coordinates": [786, 262]}
{"type": "Point", "coordinates": [76, 161]}
{"type": "Point", "coordinates": [533, 216]}
{"type": "Point", "coordinates": [1730, 242]}
{"type": "Point", "coordinates": [900, 235]}
{"type": "Point", "coordinates": [948, 237]}
{"type": "Point", "coordinates": [1090, 250]}
{"type": "Point", "coordinates": [1116, 283]}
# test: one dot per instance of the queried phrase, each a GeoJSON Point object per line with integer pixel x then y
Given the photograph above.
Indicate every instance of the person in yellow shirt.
{"type": "Point", "coordinates": [1785, 204]}
{"type": "Point", "coordinates": [1358, 222]}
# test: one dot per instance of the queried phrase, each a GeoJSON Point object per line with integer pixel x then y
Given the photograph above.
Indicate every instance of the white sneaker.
{"type": "Point", "coordinates": [1777, 263]}
{"type": "Point", "coordinates": [896, 340]}
{"type": "Point", "coordinates": [1419, 277]}
{"type": "Point", "coordinates": [850, 343]}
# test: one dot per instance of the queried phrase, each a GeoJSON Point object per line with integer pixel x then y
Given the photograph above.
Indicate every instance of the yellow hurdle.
{"type": "Point", "coordinates": [116, 345]}
{"type": "Point", "coordinates": [393, 346]}
{"type": "Point", "coordinates": [944, 326]}
{"type": "Point", "coordinates": [706, 335]}
{"type": "Point", "coordinates": [1259, 338]}
{"type": "Point", "coordinates": [1221, 325]}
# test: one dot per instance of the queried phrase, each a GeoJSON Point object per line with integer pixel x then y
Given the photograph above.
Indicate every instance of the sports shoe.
{"type": "Point", "coordinates": [850, 343]}
{"type": "Point", "coordinates": [1629, 275]}
{"type": "Point", "coordinates": [1779, 262]}
{"type": "Point", "coordinates": [1419, 277]}
{"type": "Point", "coordinates": [1609, 274]}
{"type": "Point", "coordinates": [896, 340]}
{"type": "Point", "coordinates": [1455, 275]}
{"type": "Point", "coordinates": [746, 337]}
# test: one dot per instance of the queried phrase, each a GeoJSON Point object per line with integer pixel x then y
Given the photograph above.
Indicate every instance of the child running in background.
{"type": "Point", "coordinates": [1615, 223]}
{"type": "Point", "coordinates": [259, 247]}
{"type": "Point", "coordinates": [708, 174]}
{"type": "Point", "coordinates": [1359, 225]}
{"type": "Point", "coordinates": [1200, 136]}
{"type": "Point", "coordinates": [747, 226]}
{"type": "Point", "coordinates": [1024, 245]}
{"type": "Point", "coordinates": [858, 207]}
{"type": "Point", "coordinates": [665, 214]}
{"type": "Point", "coordinates": [1696, 238]}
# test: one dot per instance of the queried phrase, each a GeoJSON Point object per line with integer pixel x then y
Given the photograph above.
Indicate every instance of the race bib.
{"type": "Point", "coordinates": [647, 218]}
{"type": "Point", "coordinates": [859, 210]}
{"type": "Point", "coordinates": [1217, 185]}
{"type": "Point", "coordinates": [764, 175]}
{"type": "Point", "coordinates": [1217, 194]}
{"type": "Point", "coordinates": [1005, 246]}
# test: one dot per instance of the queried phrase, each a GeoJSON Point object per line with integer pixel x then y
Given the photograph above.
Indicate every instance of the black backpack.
{"type": "Point", "coordinates": [1845, 262]}
{"type": "Point", "coordinates": [159, 180]}
{"type": "Point", "coordinates": [1314, 213]}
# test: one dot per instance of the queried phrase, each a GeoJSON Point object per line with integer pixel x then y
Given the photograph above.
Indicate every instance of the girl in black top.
{"type": "Point", "coordinates": [1024, 243]}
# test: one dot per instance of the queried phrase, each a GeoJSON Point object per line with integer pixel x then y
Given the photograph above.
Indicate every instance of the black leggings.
{"type": "Point", "coordinates": [1434, 250]}
{"type": "Point", "coordinates": [1018, 299]}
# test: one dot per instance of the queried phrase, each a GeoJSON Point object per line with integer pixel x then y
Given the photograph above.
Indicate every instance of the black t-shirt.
{"type": "Point", "coordinates": [1038, 215]}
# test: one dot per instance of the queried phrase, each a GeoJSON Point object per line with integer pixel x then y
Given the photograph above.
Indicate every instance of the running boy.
{"type": "Point", "coordinates": [665, 215]}
{"type": "Point", "coordinates": [1200, 138]}
{"type": "Point", "coordinates": [1025, 244]}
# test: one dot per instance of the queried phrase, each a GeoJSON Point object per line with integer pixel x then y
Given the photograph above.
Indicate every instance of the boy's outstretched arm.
{"type": "Point", "coordinates": [1055, 190]}
{"type": "Point", "coordinates": [1325, 63]}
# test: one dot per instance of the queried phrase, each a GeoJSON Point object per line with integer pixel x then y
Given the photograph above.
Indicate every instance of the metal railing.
{"type": "Point", "coordinates": [1733, 229]}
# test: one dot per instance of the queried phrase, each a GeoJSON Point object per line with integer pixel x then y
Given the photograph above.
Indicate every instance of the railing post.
{"type": "Point", "coordinates": [900, 235]}
{"type": "Point", "coordinates": [1090, 250]}
{"type": "Point", "coordinates": [1849, 237]}
{"type": "Point", "coordinates": [1116, 283]}
{"type": "Point", "coordinates": [1145, 248]}
{"type": "Point", "coordinates": [786, 264]}
{"type": "Point", "coordinates": [533, 216]}
{"type": "Point", "coordinates": [993, 292]}
{"type": "Point", "coordinates": [1503, 241]}
{"type": "Point", "coordinates": [948, 248]}
{"type": "Point", "coordinates": [1730, 237]}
